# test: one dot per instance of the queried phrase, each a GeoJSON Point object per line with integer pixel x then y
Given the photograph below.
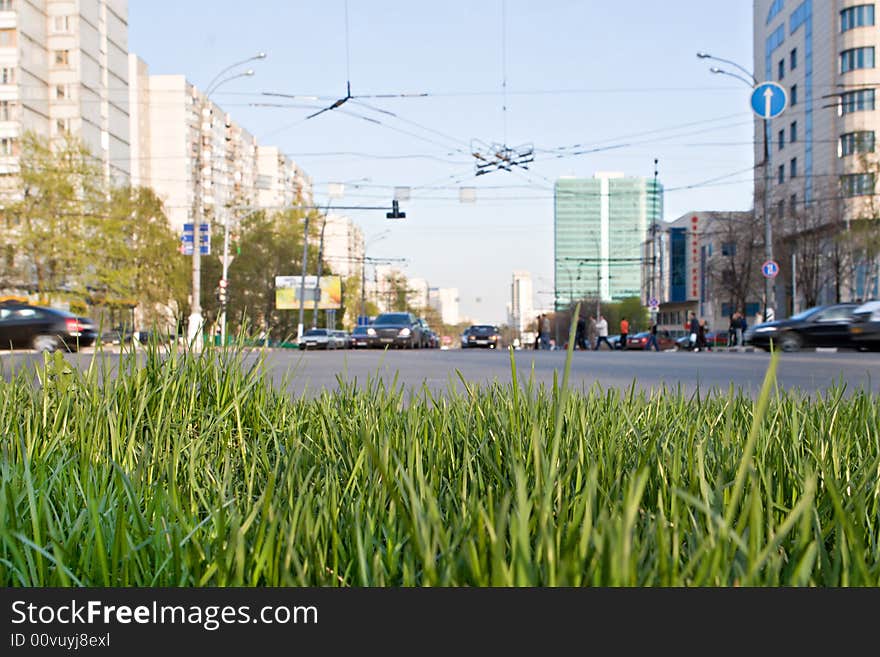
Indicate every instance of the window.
{"type": "Point", "coordinates": [7, 75]}
{"type": "Point", "coordinates": [780, 139]}
{"type": "Point", "coordinates": [857, 101]}
{"type": "Point", "coordinates": [792, 203]}
{"type": "Point", "coordinates": [775, 8]}
{"type": "Point", "coordinates": [6, 110]}
{"type": "Point", "coordinates": [6, 5]}
{"type": "Point", "coordinates": [858, 16]}
{"type": "Point", "coordinates": [62, 57]}
{"type": "Point", "coordinates": [781, 69]}
{"type": "Point", "coordinates": [7, 146]}
{"type": "Point", "coordinates": [857, 184]}
{"type": "Point", "coordinates": [792, 59]}
{"type": "Point", "coordinates": [856, 58]}
{"type": "Point", "coordinates": [62, 91]}
{"type": "Point", "coordinates": [780, 174]}
{"type": "Point", "coordinates": [792, 168]}
{"type": "Point", "coordinates": [851, 143]}
{"type": "Point", "coordinates": [728, 248]}
{"type": "Point", "coordinates": [7, 38]}
{"type": "Point", "coordinates": [792, 132]}
{"type": "Point", "coordinates": [792, 95]}
{"type": "Point", "coordinates": [780, 209]}
{"type": "Point", "coordinates": [61, 24]}
{"type": "Point", "coordinates": [62, 126]}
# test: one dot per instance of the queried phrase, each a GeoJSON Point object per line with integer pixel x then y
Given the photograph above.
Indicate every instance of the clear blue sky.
{"type": "Point", "coordinates": [586, 72]}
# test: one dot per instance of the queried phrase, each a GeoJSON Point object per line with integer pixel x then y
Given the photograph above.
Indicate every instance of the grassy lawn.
{"type": "Point", "coordinates": [196, 471]}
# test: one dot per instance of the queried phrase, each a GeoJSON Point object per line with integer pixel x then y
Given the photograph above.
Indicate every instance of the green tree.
{"type": "Point", "coordinates": [62, 192]}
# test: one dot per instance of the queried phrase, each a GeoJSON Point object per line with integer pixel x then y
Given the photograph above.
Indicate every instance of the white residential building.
{"type": "Point", "coordinates": [417, 294]}
{"type": "Point", "coordinates": [445, 301]}
{"type": "Point", "coordinates": [280, 182]}
{"type": "Point", "coordinates": [343, 246]}
{"type": "Point", "coordinates": [522, 305]}
{"type": "Point", "coordinates": [64, 69]}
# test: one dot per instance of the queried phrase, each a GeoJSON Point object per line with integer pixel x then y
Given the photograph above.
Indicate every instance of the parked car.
{"type": "Point", "coordinates": [24, 326]}
{"type": "Point", "coordinates": [319, 338]}
{"type": "Point", "coordinates": [820, 326]}
{"type": "Point", "coordinates": [426, 333]}
{"type": "Point", "coordinates": [713, 339]}
{"type": "Point", "coordinates": [359, 337]}
{"type": "Point", "coordinates": [433, 340]}
{"type": "Point", "coordinates": [481, 335]}
{"type": "Point", "coordinates": [120, 335]}
{"type": "Point", "coordinates": [400, 330]}
{"type": "Point", "coordinates": [639, 340]}
{"type": "Point", "coordinates": [342, 338]}
{"type": "Point", "coordinates": [865, 328]}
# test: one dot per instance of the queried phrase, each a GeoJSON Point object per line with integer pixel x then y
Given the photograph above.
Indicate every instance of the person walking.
{"type": "Point", "coordinates": [545, 331]}
{"type": "Point", "coordinates": [580, 334]}
{"type": "Point", "coordinates": [652, 338]}
{"type": "Point", "coordinates": [693, 326]}
{"type": "Point", "coordinates": [731, 330]}
{"type": "Point", "coordinates": [602, 333]}
{"type": "Point", "coordinates": [701, 336]}
{"type": "Point", "coordinates": [740, 329]}
{"type": "Point", "coordinates": [591, 332]}
{"type": "Point", "coordinates": [624, 331]}
{"type": "Point", "coordinates": [537, 333]}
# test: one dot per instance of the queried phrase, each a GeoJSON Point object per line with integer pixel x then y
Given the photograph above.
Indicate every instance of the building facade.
{"type": "Point", "coordinates": [64, 70]}
{"type": "Point", "coordinates": [343, 246]}
{"type": "Point", "coordinates": [522, 306]}
{"type": "Point", "coordinates": [821, 169]}
{"type": "Point", "coordinates": [600, 225]}
{"type": "Point", "coordinates": [445, 300]}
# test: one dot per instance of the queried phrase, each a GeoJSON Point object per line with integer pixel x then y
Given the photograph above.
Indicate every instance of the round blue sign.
{"type": "Point", "coordinates": [770, 269]}
{"type": "Point", "coordinates": [769, 100]}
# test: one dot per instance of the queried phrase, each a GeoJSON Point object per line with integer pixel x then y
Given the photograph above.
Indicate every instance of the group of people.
{"type": "Point", "coordinates": [596, 332]}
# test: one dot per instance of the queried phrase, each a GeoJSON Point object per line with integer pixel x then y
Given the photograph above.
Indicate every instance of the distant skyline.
{"type": "Point", "coordinates": [592, 86]}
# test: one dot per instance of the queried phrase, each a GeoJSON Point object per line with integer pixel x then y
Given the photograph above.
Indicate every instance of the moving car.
{"type": "Point", "coordinates": [865, 328]}
{"type": "Point", "coordinates": [359, 337]}
{"type": "Point", "coordinates": [319, 338]}
{"type": "Point", "coordinates": [481, 335]}
{"type": "Point", "coordinates": [639, 340]}
{"type": "Point", "coordinates": [400, 330]}
{"type": "Point", "coordinates": [820, 326]}
{"type": "Point", "coordinates": [24, 326]}
{"type": "Point", "coordinates": [713, 339]}
{"type": "Point", "coordinates": [343, 339]}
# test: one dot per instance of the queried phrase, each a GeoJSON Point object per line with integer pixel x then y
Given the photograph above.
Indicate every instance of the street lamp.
{"type": "Point", "coordinates": [376, 238]}
{"type": "Point", "coordinates": [752, 82]}
{"type": "Point", "coordinates": [194, 328]}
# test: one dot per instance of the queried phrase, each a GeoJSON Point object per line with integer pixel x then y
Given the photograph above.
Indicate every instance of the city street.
{"type": "Point", "coordinates": [308, 373]}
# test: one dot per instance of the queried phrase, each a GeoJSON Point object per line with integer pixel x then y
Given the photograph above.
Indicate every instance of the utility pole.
{"type": "Point", "coordinates": [320, 263]}
{"type": "Point", "coordinates": [302, 283]}
{"type": "Point", "coordinates": [769, 289]}
{"type": "Point", "coordinates": [194, 333]}
{"type": "Point", "coordinates": [652, 292]}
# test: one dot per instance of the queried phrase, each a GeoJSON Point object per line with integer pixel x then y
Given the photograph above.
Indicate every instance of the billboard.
{"type": "Point", "coordinates": [287, 289]}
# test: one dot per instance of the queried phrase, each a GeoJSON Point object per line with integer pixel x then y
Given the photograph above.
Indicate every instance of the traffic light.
{"type": "Point", "coordinates": [221, 291]}
{"type": "Point", "coordinates": [395, 211]}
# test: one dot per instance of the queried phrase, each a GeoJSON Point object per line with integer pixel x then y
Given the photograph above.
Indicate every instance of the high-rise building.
{"type": "Point", "coordinates": [599, 229]}
{"type": "Point", "coordinates": [522, 305]}
{"type": "Point", "coordinates": [343, 246]}
{"type": "Point", "coordinates": [445, 301]}
{"type": "Point", "coordinates": [280, 182]}
{"type": "Point", "coordinates": [417, 294]}
{"type": "Point", "coordinates": [821, 148]}
{"type": "Point", "coordinates": [64, 69]}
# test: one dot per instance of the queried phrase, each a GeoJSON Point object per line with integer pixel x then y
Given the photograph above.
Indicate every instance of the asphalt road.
{"type": "Point", "coordinates": [308, 373]}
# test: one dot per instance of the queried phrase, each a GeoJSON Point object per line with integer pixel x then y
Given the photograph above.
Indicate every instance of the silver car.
{"type": "Point", "coordinates": [318, 338]}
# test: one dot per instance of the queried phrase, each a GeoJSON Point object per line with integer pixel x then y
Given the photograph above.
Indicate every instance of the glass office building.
{"type": "Point", "coordinates": [600, 226]}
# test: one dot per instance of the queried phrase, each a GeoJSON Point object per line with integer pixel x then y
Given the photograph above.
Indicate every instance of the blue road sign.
{"type": "Point", "coordinates": [769, 100]}
{"type": "Point", "coordinates": [188, 228]}
{"type": "Point", "coordinates": [770, 269]}
{"type": "Point", "coordinates": [187, 249]}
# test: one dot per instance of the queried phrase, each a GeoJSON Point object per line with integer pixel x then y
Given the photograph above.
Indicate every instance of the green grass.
{"type": "Point", "coordinates": [196, 471]}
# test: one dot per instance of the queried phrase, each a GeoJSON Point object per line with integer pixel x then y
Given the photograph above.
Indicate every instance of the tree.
{"type": "Point", "coordinates": [61, 190]}
{"type": "Point", "coordinates": [732, 268]}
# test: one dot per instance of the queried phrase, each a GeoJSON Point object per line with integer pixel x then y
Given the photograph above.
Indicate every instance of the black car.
{"type": "Point", "coordinates": [400, 330]}
{"type": "Point", "coordinates": [24, 326]}
{"type": "Point", "coordinates": [359, 337]}
{"type": "Point", "coordinates": [481, 335]}
{"type": "Point", "coordinates": [865, 328]}
{"type": "Point", "coordinates": [820, 326]}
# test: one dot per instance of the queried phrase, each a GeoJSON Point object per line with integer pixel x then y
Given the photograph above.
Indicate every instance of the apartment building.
{"type": "Point", "coordinates": [522, 305]}
{"type": "Point", "coordinates": [64, 69]}
{"type": "Point", "coordinates": [343, 246]}
{"type": "Point", "coordinates": [280, 182]}
{"type": "Point", "coordinates": [822, 147]}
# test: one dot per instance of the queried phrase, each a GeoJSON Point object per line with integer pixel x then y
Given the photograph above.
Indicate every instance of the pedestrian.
{"type": "Point", "coordinates": [602, 333]}
{"type": "Point", "coordinates": [693, 326]}
{"type": "Point", "coordinates": [731, 329]}
{"type": "Point", "coordinates": [591, 332]}
{"type": "Point", "coordinates": [740, 328]}
{"type": "Point", "coordinates": [701, 336]}
{"type": "Point", "coordinates": [580, 334]}
{"type": "Point", "coordinates": [537, 333]}
{"type": "Point", "coordinates": [652, 337]}
{"type": "Point", "coordinates": [624, 331]}
{"type": "Point", "coordinates": [545, 331]}
{"type": "Point", "coordinates": [771, 315]}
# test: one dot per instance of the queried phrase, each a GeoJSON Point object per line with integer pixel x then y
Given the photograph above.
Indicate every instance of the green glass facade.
{"type": "Point", "coordinates": [600, 226]}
